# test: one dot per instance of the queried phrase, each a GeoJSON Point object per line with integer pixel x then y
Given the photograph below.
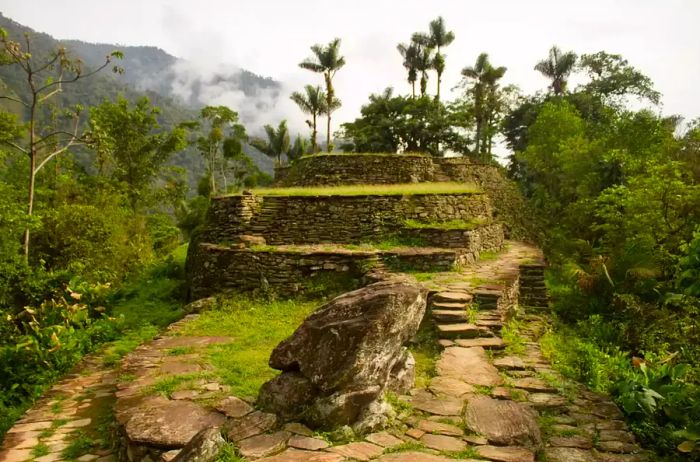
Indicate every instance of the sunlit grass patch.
{"type": "Point", "coordinates": [373, 189]}
{"type": "Point", "coordinates": [256, 326]}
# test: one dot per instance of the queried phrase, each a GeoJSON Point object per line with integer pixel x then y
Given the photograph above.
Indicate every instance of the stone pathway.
{"type": "Point", "coordinates": [489, 400]}
{"type": "Point", "coordinates": [71, 414]}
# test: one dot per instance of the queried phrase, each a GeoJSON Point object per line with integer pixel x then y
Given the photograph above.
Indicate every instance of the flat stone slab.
{"type": "Point", "coordinates": [360, 451]}
{"type": "Point", "coordinates": [450, 386]}
{"type": "Point", "coordinates": [451, 297]}
{"type": "Point", "coordinates": [295, 455]}
{"type": "Point", "coordinates": [546, 400]}
{"type": "Point", "coordinates": [469, 365]}
{"type": "Point", "coordinates": [439, 405]}
{"type": "Point", "coordinates": [250, 425]}
{"type": "Point", "coordinates": [448, 306]}
{"type": "Point", "coordinates": [502, 422]}
{"type": "Point", "coordinates": [489, 343]}
{"type": "Point", "coordinates": [509, 363]}
{"type": "Point", "coordinates": [458, 330]}
{"type": "Point", "coordinates": [263, 445]}
{"type": "Point", "coordinates": [534, 384]}
{"type": "Point", "coordinates": [578, 442]}
{"type": "Point", "coordinates": [443, 443]}
{"type": "Point", "coordinates": [450, 316]}
{"type": "Point", "coordinates": [165, 423]}
{"type": "Point", "coordinates": [307, 443]}
{"type": "Point", "coordinates": [439, 428]}
{"type": "Point", "coordinates": [234, 407]}
{"type": "Point", "coordinates": [418, 457]}
{"type": "Point", "coordinates": [569, 455]}
{"type": "Point", "coordinates": [384, 440]}
{"type": "Point", "coordinates": [507, 454]}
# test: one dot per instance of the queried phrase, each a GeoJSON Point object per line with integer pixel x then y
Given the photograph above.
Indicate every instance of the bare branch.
{"type": "Point", "coordinates": [16, 146]}
{"type": "Point", "coordinates": [74, 138]}
{"type": "Point", "coordinates": [16, 100]}
{"type": "Point", "coordinates": [48, 63]}
{"type": "Point", "coordinates": [77, 77]}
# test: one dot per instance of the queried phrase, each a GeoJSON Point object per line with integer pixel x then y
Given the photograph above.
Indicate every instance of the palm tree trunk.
{"type": "Point", "coordinates": [413, 89]}
{"type": "Point", "coordinates": [313, 134]}
{"type": "Point", "coordinates": [329, 101]}
{"type": "Point", "coordinates": [423, 84]}
{"type": "Point", "coordinates": [439, 77]}
{"type": "Point", "coordinates": [328, 133]}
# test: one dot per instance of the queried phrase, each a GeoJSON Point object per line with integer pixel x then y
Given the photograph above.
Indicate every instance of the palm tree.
{"type": "Point", "coordinates": [424, 62]}
{"type": "Point", "coordinates": [437, 38]}
{"type": "Point", "coordinates": [298, 149]}
{"type": "Point", "coordinates": [557, 67]}
{"type": "Point", "coordinates": [410, 58]}
{"type": "Point", "coordinates": [485, 78]}
{"type": "Point", "coordinates": [312, 102]}
{"type": "Point", "coordinates": [327, 62]}
{"type": "Point", "coordinates": [277, 142]}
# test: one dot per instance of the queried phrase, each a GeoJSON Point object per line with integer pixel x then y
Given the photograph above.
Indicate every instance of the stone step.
{"type": "Point", "coordinates": [448, 306]}
{"type": "Point", "coordinates": [450, 316]}
{"type": "Point", "coordinates": [462, 330]}
{"type": "Point", "coordinates": [451, 297]}
{"type": "Point", "coordinates": [488, 343]}
{"type": "Point", "coordinates": [494, 325]}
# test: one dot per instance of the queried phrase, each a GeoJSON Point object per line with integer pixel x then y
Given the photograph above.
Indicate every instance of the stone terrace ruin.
{"type": "Point", "coordinates": [283, 240]}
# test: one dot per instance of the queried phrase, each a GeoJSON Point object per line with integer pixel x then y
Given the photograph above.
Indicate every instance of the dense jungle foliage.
{"type": "Point", "coordinates": [93, 213]}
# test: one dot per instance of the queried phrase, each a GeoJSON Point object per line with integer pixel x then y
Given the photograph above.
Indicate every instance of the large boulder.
{"type": "Point", "coordinates": [337, 364]}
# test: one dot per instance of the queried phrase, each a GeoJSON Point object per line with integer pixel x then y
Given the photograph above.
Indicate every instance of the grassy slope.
{"type": "Point", "coordinates": [363, 190]}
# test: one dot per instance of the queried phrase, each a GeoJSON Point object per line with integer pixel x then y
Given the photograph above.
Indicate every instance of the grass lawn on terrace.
{"type": "Point", "coordinates": [256, 326]}
{"type": "Point", "coordinates": [405, 189]}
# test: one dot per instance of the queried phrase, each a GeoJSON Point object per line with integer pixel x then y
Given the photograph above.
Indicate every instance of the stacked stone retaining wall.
{"type": "Point", "coordinates": [333, 219]}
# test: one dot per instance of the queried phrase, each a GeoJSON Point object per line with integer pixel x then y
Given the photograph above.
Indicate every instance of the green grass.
{"type": "Point", "coordinates": [80, 444]}
{"type": "Point", "coordinates": [376, 154]}
{"type": "Point", "coordinates": [167, 385]}
{"type": "Point", "coordinates": [372, 190]}
{"type": "Point", "coordinates": [426, 352]}
{"type": "Point", "coordinates": [228, 453]}
{"type": "Point", "coordinates": [515, 342]}
{"type": "Point", "coordinates": [257, 327]}
{"type": "Point", "coordinates": [40, 449]}
{"type": "Point", "coordinates": [405, 447]}
{"type": "Point", "coordinates": [489, 255]}
{"type": "Point", "coordinates": [445, 225]}
{"type": "Point", "coordinates": [180, 351]}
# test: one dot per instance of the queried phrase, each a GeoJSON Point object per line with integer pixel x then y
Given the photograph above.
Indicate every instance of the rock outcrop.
{"type": "Point", "coordinates": [338, 363]}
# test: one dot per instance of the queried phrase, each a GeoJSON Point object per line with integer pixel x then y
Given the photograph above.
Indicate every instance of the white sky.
{"type": "Point", "coordinates": [270, 37]}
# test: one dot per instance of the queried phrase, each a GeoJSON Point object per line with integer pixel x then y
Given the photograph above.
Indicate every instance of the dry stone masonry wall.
{"type": "Point", "coordinates": [333, 219]}
{"type": "Point", "coordinates": [347, 169]}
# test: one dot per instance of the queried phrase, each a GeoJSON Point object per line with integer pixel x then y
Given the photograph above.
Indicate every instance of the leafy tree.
{"type": "Point", "coordinates": [438, 37]}
{"type": "Point", "coordinates": [298, 149]}
{"type": "Point", "coordinates": [403, 124]}
{"type": "Point", "coordinates": [129, 148]}
{"type": "Point", "coordinates": [612, 77]}
{"type": "Point", "coordinates": [484, 94]}
{"type": "Point", "coordinates": [277, 143]}
{"type": "Point", "coordinates": [222, 144]}
{"type": "Point", "coordinates": [313, 102]}
{"type": "Point", "coordinates": [327, 61]}
{"type": "Point", "coordinates": [557, 67]}
{"type": "Point", "coordinates": [45, 77]}
{"type": "Point", "coordinates": [410, 55]}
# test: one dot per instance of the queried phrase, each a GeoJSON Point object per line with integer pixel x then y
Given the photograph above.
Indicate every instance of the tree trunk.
{"type": "Point", "coordinates": [313, 134]}
{"type": "Point", "coordinates": [423, 84]}
{"type": "Point", "coordinates": [30, 200]}
{"type": "Point", "coordinates": [439, 78]}
{"type": "Point", "coordinates": [329, 105]}
{"type": "Point", "coordinates": [328, 133]}
{"type": "Point", "coordinates": [413, 89]}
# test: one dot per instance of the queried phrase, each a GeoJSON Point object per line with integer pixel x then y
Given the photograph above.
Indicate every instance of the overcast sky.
{"type": "Point", "coordinates": [270, 37]}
